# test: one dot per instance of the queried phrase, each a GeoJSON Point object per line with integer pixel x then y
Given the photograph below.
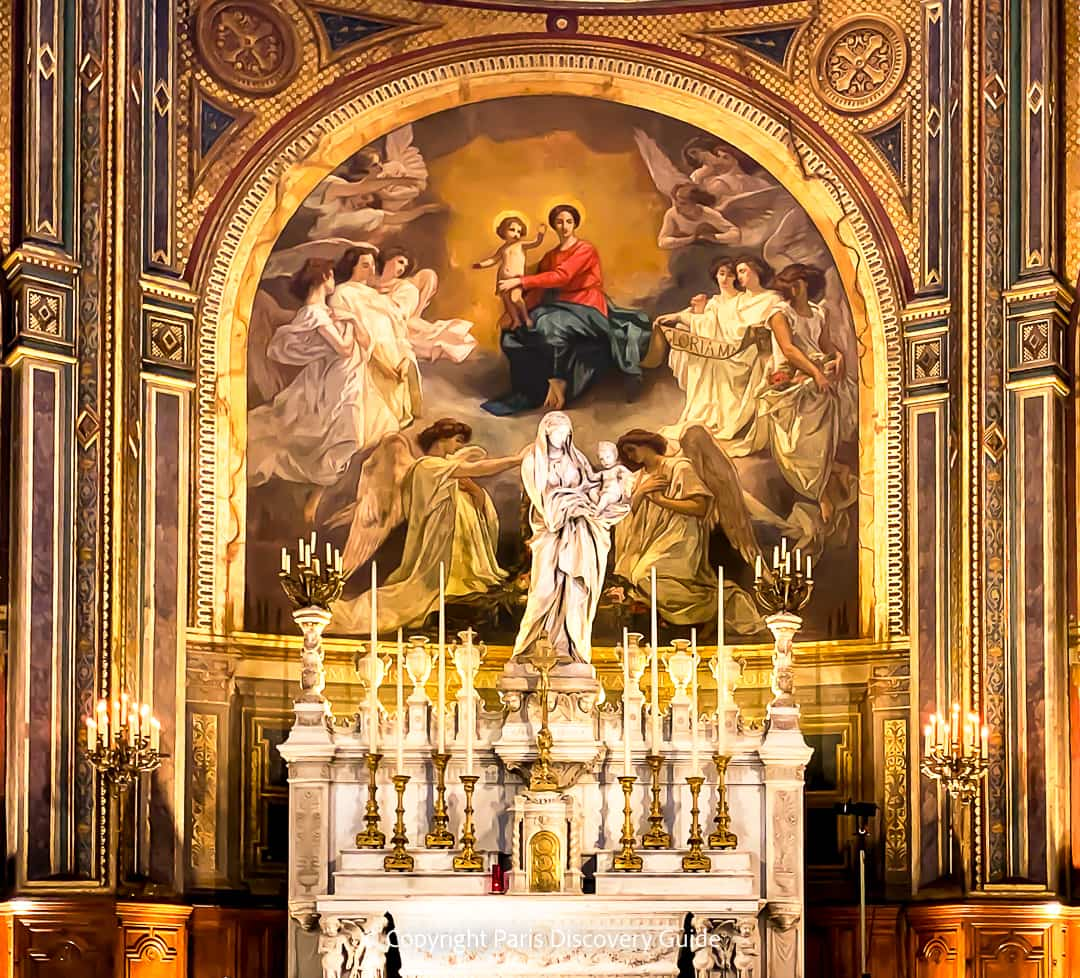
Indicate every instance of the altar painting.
{"type": "Point", "coordinates": [456, 280]}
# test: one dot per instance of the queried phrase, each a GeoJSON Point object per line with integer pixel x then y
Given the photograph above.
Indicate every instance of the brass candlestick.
{"type": "Point", "coordinates": [695, 861]}
{"type": "Point", "coordinates": [373, 836]}
{"type": "Point", "coordinates": [468, 861]}
{"type": "Point", "coordinates": [657, 837]}
{"type": "Point", "coordinates": [399, 861]}
{"type": "Point", "coordinates": [627, 861]}
{"type": "Point", "coordinates": [723, 837]}
{"type": "Point", "coordinates": [440, 836]}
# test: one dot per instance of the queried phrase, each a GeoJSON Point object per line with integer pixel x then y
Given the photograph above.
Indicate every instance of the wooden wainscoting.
{"type": "Point", "coordinates": [235, 942]}
{"type": "Point", "coordinates": [977, 939]}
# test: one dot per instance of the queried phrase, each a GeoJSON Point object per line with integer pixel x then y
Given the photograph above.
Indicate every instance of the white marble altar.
{"type": "Point", "coordinates": [546, 776]}
{"type": "Point", "coordinates": [751, 900]}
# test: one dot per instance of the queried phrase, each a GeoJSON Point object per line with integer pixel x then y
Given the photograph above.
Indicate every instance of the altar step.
{"type": "Point", "coordinates": [733, 875]}
{"type": "Point", "coordinates": [361, 874]}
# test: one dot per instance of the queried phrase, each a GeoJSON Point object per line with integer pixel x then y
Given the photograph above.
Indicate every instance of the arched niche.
{"type": "Point", "coordinates": [320, 136]}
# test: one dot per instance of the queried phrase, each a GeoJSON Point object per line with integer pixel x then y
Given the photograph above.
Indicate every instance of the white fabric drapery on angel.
{"type": "Point", "coordinates": [316, 424]}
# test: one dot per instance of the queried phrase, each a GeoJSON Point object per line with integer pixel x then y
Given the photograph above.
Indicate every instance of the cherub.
{"type": "Point", "coordinates": [612, 495]}
{"type": "Point", "coordinates": [510, 257]}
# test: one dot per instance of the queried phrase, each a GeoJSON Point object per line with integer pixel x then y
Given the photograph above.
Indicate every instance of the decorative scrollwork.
{"type": "Point", "coordinates": [860, 64]}
{"type": "Point", "coordinates": [247, 46]}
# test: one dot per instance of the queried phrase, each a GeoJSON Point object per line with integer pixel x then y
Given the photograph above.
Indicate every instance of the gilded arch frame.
{"type": "Point", "coordinates": [337, 124]}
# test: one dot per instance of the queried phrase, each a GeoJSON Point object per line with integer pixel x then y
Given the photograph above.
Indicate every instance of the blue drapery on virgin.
{"type": "Point", "coordinates": [573, 343]}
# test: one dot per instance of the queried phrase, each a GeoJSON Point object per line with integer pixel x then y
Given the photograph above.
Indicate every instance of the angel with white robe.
{"type": "Point", "coordinates": [411, 294]}
{"type": "Point", "coordinates": [677, 501]}
{"type": "Point", "coordinates": [810, 406]}
{"type": "Point", "coordinates": [394, 374]}
{"type": "Point", "coordinates": [721, 382]}
{"type": "Point", "coordinates": [451, 521]}
{"type": "Point", "coordinates": [312, 428]}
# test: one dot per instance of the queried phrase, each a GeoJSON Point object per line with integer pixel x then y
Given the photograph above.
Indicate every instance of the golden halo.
{"type": "Point", "coordinates": [503, 215]}
{"type": "Point", "coordinates": [567, 199]}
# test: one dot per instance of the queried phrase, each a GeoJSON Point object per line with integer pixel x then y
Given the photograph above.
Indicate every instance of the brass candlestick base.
{"type": "Point", "coordinates": [440, 836]}
{"type": "Point", "coordinates": [657, 837]}
{"type": "Point", "coordinates": [627, 861]}
{"type": "Point", "coordinates": [723, 837]}
{"type": "Point", "coordinates": [469, 860]}
{"type": "Point", "coordinates": [399, 861]}
{"type": "Point", "coordinates": [695, 861]}
{"type": "Point", "coordinates": [373, 836]}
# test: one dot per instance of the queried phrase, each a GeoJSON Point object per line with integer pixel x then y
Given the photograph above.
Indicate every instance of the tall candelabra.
{"type": "Point", "coordinates": [312, 586]}
{"type": "Point", "coordinates": [788, 584]}
{"type": "Point", "coordinates": [123, 741]}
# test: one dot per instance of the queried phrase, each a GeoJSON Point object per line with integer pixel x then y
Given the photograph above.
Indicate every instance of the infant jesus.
{"type": "Point", "coordinates": [510, 257]}
{"type": "Point", "coordinates": [612, 495]}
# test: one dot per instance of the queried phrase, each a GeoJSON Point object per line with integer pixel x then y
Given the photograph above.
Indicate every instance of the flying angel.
{"type": "Point", "coordinates": [383, 198]}
{"type": "Point", "coordinates": [693, 215]}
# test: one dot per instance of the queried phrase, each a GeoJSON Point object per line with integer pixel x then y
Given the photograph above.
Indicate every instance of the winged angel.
{"type": "Point", "coordinates": [360, 208]}
{"type": "Point", "coordinates": [719, 202]}
{"type": "Point", "coordinates": [677, 502]}
{"type": "Point", "coordinates": [451, 521]}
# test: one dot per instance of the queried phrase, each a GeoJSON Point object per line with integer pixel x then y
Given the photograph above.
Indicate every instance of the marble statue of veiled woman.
{"type": "Point", "coordinates": [569, 545]}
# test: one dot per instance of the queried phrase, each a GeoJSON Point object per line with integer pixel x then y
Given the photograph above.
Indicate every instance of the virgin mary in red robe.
{"type": "Point", "coordinates": [576, 334]}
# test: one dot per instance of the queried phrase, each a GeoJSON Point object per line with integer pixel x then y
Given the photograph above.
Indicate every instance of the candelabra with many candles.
{"type": "Point", "coordinates": [956, 755]}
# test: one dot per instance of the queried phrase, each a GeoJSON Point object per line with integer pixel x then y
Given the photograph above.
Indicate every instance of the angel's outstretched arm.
{"type": "Point", "coordinates": [671, 237]}
{"type": "Point", "coordinates": [486, 466]}
{"type": "Point", "coordinates": [410, 214]}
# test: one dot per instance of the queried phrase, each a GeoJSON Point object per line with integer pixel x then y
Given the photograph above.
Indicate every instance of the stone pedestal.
{"type": "Point", "coordinates": [573, 697]}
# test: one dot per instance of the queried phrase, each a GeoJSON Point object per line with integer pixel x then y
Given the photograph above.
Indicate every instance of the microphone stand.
{"type": "Point", "coordinates": [863, 812]}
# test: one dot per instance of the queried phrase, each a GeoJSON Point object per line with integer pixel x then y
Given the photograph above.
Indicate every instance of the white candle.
{"type": "Point", "coordinates": [809, 576]}
{"type": "Point", "coordinates": [373, 663]}
{"type": "Point", "coordinates": [470, 703]}
{"type": "Point", "coordinates": [695, 766]}
{"type": "Point", "coordinates": [654, 675]}
{"type": "Point", "coordinates": [442, 659]}
{"type": "Point", "coordinates": [626, 704]}
{"type": "Point", "coordinates": [783, 548]}
{"type": "Point", "coordinates": [91, 733]}
{"type": "Point", "coordinates": [115, 720]}
{"type": "Point", "coordinates": [284, 558]}
{"type": "Point", "coordinates": [144, 720]}
{"type": "Point", "coordinates": [155, 734]}
{"type": "Point", "coordinates": [757, 567]}
{"type": "Point", "coordinates": [985, 742]}
{"type": "Point", "coordinates": [776, 558]}
{"type": "Point", "coordinates": [927, 734]}
{"type": "Point", "coordinates": [400, 703]}
{"type": "Point", "coordinates": [103, 722]}
{"type": "Point", "coordinates": [132, 721]}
